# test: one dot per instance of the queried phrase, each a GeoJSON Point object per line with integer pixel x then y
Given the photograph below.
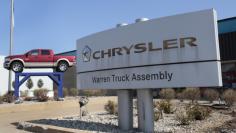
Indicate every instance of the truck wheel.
{"type": "Point", "coordinates": [17, 66]}
{"type": "Point", "coordinates": [62, 66]}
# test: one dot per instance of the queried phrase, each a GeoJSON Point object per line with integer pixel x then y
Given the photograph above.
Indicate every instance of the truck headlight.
{"type": "Point", "coordinates": [7, 59]}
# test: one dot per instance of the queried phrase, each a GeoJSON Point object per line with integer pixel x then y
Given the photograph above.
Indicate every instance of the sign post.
{"type": "Point", "coordinates": [125, 109]}
{"type": "Point", "coordinates": [145, 110]}
{"type": "Point", "coordinates": [169, 52]}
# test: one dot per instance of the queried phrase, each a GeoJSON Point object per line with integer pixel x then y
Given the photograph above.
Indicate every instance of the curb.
{"type": "Point", "coordinates": [40, 128]}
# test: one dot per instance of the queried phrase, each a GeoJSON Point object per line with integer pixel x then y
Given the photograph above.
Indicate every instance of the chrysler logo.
{"type": "Point", "coordinates": [138, 48]}
{"type": "Point", "coordinates": [86, 54]}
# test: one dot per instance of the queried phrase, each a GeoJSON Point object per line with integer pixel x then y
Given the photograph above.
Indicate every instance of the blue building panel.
{"type": "Point", "coordinates": [227, 25]}
{"type": "Point", "coordinates": [70, 53]}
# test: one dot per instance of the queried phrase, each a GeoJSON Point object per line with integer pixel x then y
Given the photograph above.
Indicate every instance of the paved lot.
{"type": "Point", "coordinates": [30, 111]}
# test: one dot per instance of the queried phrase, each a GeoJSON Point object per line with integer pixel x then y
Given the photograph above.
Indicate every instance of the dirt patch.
{"type": "Point", "coordinates": [11, 113]}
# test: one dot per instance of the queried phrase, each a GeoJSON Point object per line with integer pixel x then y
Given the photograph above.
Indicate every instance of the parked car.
{"type": "Point", "coordinates": [39, 58]}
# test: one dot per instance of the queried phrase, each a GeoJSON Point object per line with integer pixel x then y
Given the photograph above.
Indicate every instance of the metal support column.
{"type": "Point", "coordinates": [125, 109]}
{"type": "Point", "coordinates": [60, 86]}
{"type": "Point", "coordinates": [16, 86]}
{"type": "Point", "coordinates": [56, 77]}
{"type": "Point", "coordinates": [145, 111]}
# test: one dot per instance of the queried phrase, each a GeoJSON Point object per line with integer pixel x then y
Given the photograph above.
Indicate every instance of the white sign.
{"type": "Point", "coordinates": [175, 51]}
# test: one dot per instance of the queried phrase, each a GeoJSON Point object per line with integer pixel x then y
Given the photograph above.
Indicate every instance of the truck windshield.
{"type": "Point", "coordinates": [34, 52]}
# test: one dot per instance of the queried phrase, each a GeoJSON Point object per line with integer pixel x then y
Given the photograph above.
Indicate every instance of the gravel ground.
{"type": "Point", "coordinates": [103, 122]}
{"type": "Point", "coordinates": [228, 127]}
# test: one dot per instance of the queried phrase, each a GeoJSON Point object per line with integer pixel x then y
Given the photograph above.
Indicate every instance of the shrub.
{"type": "Point", "coordinates": [192, 94]}
{"type": "Point", "coordinates": [28, 99]}
{"type": "Point", "coordinates": [1, 99]}
{"type": "Point", "coordinates": [229, 97]}
{"type": "Point", "coordinates": [55, 94]}
{"type": "Point", "coordinates": [41, 95]}
{"type": "Point", "coordinates": [99, 92]}
{"type": "Point", "coordinates": [40, 83]}
{"type": "Point", "coordinates": [88, 93]}
{"type": "Point", "coordinates": [157, 114]}
{"type": "Point", "coordinates": [182, 117]}
{"type": "Point", "coordinates": [196, 112]}
{"type": "Point", "coordinates": [93, 93]}
{"type": "Point", "coordinates": [73, 92]}
{"type": "Point", "coordinates": [165, 106]}
{"type": "Point", "coordinates": [111, 107]}
{"type": "Point", "coordinates": [167, 94]}
{"type": "Point", "coordinates": [9, 97]}
{"type": "Point", "coordinates": [211, 95]}
{"type": "Point", "coordinates": [24, 93]}
{"type": "Point", "coordinates": [65, 92]}
{"type": "Point", "coordinates": [180, 96]}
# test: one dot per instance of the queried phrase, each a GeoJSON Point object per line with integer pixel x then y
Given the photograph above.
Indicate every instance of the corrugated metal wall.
{"type": "Point", "coordinates": [227, 42]}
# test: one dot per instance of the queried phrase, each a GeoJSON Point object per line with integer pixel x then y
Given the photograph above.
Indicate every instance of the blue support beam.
{"type": "Point", "coordinates": [56, 77]}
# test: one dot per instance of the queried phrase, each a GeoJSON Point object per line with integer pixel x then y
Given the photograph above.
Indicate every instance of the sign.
{"type": "Point", "coordinates": [175, 51]}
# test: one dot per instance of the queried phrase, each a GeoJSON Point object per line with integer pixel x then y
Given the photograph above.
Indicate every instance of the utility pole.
{"type": "Point", "coordinates": [11, 40]}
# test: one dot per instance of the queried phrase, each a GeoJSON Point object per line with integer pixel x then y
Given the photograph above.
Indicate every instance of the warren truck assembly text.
{"type": "Point", "coordinates": [162, 75]}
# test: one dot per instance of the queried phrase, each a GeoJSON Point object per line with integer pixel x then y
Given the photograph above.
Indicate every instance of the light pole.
{"type": "Point", "coordinates": [11, 40]}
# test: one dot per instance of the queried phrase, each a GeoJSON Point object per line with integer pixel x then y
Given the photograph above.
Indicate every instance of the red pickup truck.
{"type": "Point", "coordinates": [39, 58]}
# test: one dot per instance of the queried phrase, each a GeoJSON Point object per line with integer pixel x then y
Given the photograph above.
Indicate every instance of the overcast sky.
{"type": "Point", "coordinates": [56, 24]}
